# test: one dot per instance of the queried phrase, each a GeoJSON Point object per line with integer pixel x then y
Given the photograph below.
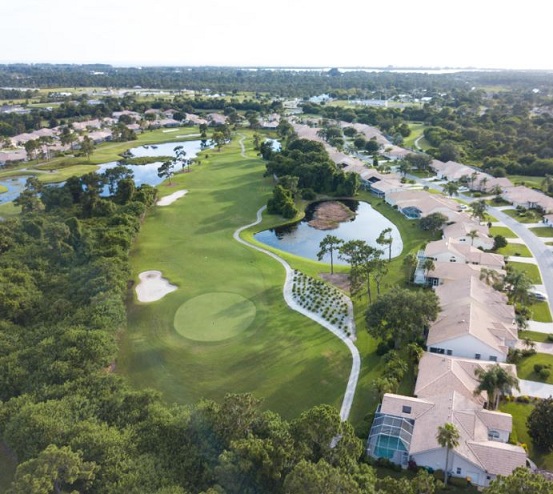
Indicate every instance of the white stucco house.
{"type": "Point", "coordinates": [405, 429]}
{"type": "Point", "coordinates": [461, 232]}
{"type": "Point", "coordinates": [475, 322]}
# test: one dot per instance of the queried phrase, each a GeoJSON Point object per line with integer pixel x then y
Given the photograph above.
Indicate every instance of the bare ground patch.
{"type": "Point", "coordinates": [329, 214]}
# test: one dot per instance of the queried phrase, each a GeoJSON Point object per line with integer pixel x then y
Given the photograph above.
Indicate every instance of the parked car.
{"type": "Point", "coordinates": [537, 294]}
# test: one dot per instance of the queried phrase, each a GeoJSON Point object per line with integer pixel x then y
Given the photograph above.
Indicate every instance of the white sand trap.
{"type": "Point", "coordinates": [170, 130]}
{"type": "Point", "coordinates": [170, 199]}
{"type": "Point", "coordinates": [153, 286]}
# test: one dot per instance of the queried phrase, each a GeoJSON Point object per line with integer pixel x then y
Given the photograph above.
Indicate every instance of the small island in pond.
{"type": "Point", "coordinates": [329, 214]}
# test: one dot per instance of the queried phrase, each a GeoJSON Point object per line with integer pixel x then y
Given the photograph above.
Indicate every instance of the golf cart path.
{"type": "Point", "coordinates": [287, 293]}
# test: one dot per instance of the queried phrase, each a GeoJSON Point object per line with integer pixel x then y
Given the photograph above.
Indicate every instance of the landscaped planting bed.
{"type": "Point", "coordinates": [322, 299]}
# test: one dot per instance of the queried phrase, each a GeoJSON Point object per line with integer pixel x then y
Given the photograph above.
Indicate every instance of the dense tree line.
{"type": "Point", "coordinates": [304, 168]}
{"type": "Point", "coordinates": [77, 426]}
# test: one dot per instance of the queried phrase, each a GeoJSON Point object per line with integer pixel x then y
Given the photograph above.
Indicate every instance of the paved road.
{"type": "Point", "coordinates": [540, 251]}
{"type": "Point", "coordinates": [287, 293]}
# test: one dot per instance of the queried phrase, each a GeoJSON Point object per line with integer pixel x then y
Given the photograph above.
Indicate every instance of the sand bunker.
{"type": "Point", "coordinates": [153, 286]}
{"type": "Point", "coordinates": [170, 199]}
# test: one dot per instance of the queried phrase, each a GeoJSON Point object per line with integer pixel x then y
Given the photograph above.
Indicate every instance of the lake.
{"type": "Point", "coordinates": [143, 174]}
{"type": "Point", "coordinates": [303, 240]}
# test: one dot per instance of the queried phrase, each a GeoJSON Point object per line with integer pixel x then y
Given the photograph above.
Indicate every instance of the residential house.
{"type": "Point", "coordinates": [528, 198]}
{"type": "Point", "coordinates": [462, 231]}
{"type": "Point", "coordinates": [450, 272]}
{"type": "Point", "coordinates": [405, 429]}
{"type": "Point", "coordinates": [449, 250]}
{"type": "Point", "coordinates": [439, 373]}
{"type": "Point", "coordinates": [216, 119]}
{"type": "Point", "coordinates": [416, 204]}
{"type": "Point", "coordinates": [12, 156]}
{"type": "Point", "coordinates": [475, 322]}
{"type": "Point", "coordinates": [194, 119]}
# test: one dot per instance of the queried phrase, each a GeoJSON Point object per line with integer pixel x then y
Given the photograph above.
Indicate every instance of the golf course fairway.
{"type": "Point", "coordinates": [226, 329]}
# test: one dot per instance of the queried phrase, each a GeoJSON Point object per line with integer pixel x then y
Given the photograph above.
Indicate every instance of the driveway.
{"type": "Point", "coordinates": [533, 388]}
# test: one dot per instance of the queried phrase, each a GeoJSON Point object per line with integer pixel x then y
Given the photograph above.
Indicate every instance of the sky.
{"type": "Point", "coordinates": [287, 33]}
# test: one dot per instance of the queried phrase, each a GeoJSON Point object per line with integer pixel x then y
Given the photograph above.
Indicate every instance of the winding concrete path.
{"type": "Point", "coordinates": [287, 293]}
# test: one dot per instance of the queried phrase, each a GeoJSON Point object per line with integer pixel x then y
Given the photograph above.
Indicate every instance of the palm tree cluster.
{"type": "Point", "coordinates": [496, 382]}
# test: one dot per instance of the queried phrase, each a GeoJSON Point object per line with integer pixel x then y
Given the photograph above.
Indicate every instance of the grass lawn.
{"type": "Point", "coordinates": [8, 210]}
{"type": "Point", "coordinates": [416, 131]}
{"type": "Point", "coordinates": [520, 413]}
{"type": "Point", "coordinates": [541, 312]}
{"type": "Point", "coordinates": [515, 250]}
{"type": "Point", "coordinates": [502, 230]}
{"type": "Point", "coordinates": [542, 231]}
{"type": "Point", "coordinates": [534, 336]}
{"type": "Point", "coordinates": [281, 356]}
{"type": "Point", "coordinates": [66, 166]}
{"type": "Point", "coordinates": [3, 189]}
{"type": "Point", "coordinates": [530, 269]}
{"type": "Point", "coordinates": [526, 217]}
{"type": "Point", "coordinates": [525, 368]}
{"type": "Point", "coordinates": [527, 180]}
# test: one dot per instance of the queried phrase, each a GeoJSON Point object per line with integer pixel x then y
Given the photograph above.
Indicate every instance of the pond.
{"type": "Point", "coordinates": [14, 185]}
{"type": "Point", "coordinates": [303, 240]}
{"type": "Point", "coordinates": [143, 174]}
{"type": "Point", "coordinates": [147, 174]}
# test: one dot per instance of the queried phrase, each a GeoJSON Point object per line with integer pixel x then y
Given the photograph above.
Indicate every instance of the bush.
{"type": "Point", "coordinates": [544, 374]}
{"type": "Point", "coordinates": [458, 481]}
{"type": "Point", "coordinates": [550, 337]}
{"type": "Point", "coordinates": [383, 348]}
{"type": "Point", "coordinates": [439, 475]}
{"type": "Point", "coordinates": [538, 368]}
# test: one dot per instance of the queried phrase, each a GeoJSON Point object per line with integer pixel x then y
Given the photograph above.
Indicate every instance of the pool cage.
{"type": "Point", "coordinates": [390, 437]}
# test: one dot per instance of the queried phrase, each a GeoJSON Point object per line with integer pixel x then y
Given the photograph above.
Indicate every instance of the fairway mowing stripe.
{"type": "Point", "coordinates": [286, 291]}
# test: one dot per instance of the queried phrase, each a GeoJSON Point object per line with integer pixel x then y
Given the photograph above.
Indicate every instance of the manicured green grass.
{"type": "Point", "coordinates": [526, 217]}
{"type": "Point", "coordinates": [502, 230]}
{"type": "Point", "coordinates": [525, 368]}
{"type": "Point", "coordinates": [416, 131]}
{"type": "Point", "coordinates": [543, 231]}
{"type": "Point", "coordinates": [7, 467]}
{"type": "Point", "coordinates": [8, 210]}
{"type": "Point", "coordinates": [534, 336]}
{"type": "Point", "coordinates": [282, 357]}
{"type": "Point", "coordinates": [526, 180]}
{"type": "Point", "coordinates": [541, 312]}
{"type": "Point", "coordinates": [66, 166]}
{"type": "Point", "coordinates": [230, 314]}
{"type": "Point", "coordinates": [530, 269]}
{"type": "Point", "coordinates": [515, 250]}
{"type": "Point", "coordinates": [520, 413]}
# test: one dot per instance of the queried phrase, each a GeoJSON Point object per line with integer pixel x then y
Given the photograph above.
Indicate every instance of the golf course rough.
{"type": "Point", "coordinates": [214, 316]}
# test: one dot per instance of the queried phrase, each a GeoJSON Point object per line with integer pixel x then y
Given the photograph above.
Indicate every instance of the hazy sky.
{"type": "Point", "coordinates": [454, 33]}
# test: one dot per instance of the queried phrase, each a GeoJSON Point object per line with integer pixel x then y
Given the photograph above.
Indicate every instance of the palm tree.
{"type": "Point", "coordinates": [448, 437]}
{"type": "Point", "coordinates": [482, 184]}
{"type": "Point", "coordinates": [518, 283]}
{"type": "Point", "coordinates": [327, 246]}
{"type": "Point", "coordinates": [479, 209]}
{"type": "Point", "coordinates": [472, 234]}
{"type": "Point", "coordinates": [428, 266]}
{"type": "Point", "coordinates": [451, 189]}
{"type": "Point", "coordinates": [492, 278]}
{"type": "Point", "coordinates": [496, 381]}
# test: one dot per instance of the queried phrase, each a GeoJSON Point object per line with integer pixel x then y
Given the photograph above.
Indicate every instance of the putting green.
{"type": "Point", "coordinates": [214, 316]}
